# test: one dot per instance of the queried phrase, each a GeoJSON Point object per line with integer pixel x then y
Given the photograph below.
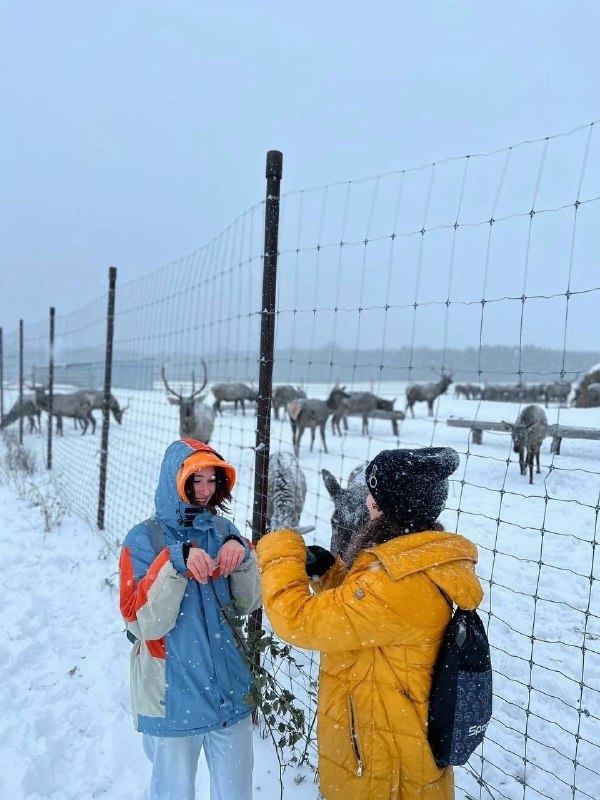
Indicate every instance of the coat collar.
{"type": "Point", "coordinates": [418, 552]}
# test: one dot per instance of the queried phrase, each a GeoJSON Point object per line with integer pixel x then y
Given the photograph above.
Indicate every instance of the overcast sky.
{"type": "Point", "coordinates": [135, 130]}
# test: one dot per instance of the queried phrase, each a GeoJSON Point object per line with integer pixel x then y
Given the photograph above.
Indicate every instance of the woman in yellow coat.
{"type": "Point", "coordinates": [378, 621]}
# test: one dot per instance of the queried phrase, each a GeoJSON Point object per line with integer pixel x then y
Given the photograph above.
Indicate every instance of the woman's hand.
{"type": "Point", "coordinates": [200, 564]}
{"type": "Point", "coordinates": [230, 556]}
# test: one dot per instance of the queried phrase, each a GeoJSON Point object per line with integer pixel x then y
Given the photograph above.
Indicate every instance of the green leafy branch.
{"type": "Point", "coordinates": [284, 719]}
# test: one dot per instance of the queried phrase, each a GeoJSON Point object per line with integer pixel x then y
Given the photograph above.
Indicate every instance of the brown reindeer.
{"type": "Point", "coordinates": [282, 395]}
{"type": "Point", "coordinates": [426, 393]}
{"type": "Point", "coordinates": [236, 393]}
{"type": "Point", "coordinates": [307, 413]}
{"type": "Point", "coordinates": [528, 433]}
{"type": "Point", "coordinates": [343, 403]}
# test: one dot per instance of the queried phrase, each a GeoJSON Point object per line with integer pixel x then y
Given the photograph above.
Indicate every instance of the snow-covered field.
{"type": "Point", "coordinates": [66, 731]}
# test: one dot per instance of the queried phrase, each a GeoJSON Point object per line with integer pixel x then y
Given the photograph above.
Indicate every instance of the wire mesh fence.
{"type": "Point", "coordinates": [480, 269]}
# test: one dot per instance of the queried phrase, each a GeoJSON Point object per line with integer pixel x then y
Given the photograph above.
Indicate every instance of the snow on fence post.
{"type": "Point", "coordinates": [110, 327]}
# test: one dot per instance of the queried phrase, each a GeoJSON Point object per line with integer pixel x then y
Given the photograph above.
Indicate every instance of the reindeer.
{"type": "Point", "coordinates": [232, 393]}
{"type": "Point", "coordinates": [196, 419]}
{"type": "Point", "coordinates": [343, 403]}
{"type": "Point", "coordinates": [426, 392]}
{"type": "Point", "coordinates": [286, 491]}
{"type": "Point", "coordinates": [470, 391]}
{"type": "Point", "coordinates": [282, 395]}
{"type": "Point", "coordinates": [350, 512]}
{"type": "Point", "coordinates": [528, 433]}
{"type": "Point", "coordinates": [556, 391]}
{"type": "Point", "coordinates": [388, 405]}
{"type": "Point", "coordinates": [462, 390]}
{"type": "Point", "coordinates": [28, 408]}
{"type": "Point", "coordinates": [96, 398]}
{"type": "Point", "coordinates": [73, 406]}
{"type": "Point", "coordinates": [307, 413]}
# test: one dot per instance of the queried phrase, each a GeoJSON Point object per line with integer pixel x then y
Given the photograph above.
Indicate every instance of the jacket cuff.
{"type": "Point", "coordinates": [282, 542]}
{"type": "Point", "coordinates": [176, 554]}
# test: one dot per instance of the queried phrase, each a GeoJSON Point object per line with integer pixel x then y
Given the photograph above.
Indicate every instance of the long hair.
{"type": "Point", "coordinates": [377, 531]}
{"type": "Point", "coordinates": [221, 497]}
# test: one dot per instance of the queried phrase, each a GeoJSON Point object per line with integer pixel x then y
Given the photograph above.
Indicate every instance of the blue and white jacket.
{"type": "Point", "coordinates": [187, 672]}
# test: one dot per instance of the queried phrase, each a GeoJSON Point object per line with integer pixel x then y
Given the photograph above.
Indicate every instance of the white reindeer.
{"type": "Point", "coordinates": [286, 491]}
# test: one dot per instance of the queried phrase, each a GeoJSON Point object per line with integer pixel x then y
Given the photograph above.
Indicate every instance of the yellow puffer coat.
{"type": "Point", "coordinates": [379, 628]}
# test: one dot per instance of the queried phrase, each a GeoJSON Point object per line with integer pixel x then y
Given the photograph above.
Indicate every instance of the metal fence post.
{"type": "Point", "coordinates": [267, 339]}
{"type": "Point", "coordinates": [21, 378]}
{"type": "Point", "coordinates": [110, 327]}
{"type": "Point", "coordinates": [50, 388]}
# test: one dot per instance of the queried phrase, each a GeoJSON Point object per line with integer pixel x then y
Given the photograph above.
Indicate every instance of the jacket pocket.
{"type": "Point", "coordinates": [356, 748]}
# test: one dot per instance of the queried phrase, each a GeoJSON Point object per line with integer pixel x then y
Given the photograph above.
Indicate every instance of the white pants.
{"type": "Point", "coordinates": [228, 753]}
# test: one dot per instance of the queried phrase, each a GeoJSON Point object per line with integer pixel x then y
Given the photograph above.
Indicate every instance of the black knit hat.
{"type": "Point", "coordinates": [411, 486]}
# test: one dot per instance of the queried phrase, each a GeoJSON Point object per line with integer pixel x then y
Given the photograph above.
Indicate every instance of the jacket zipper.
{"type": "Point", "coordinates": [354, 737]}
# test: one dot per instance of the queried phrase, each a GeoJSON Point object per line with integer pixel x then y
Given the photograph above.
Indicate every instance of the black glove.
{"type": "Point", "coordinates": [318, 560]}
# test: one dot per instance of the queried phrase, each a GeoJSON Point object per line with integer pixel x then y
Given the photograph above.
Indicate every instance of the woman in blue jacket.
{"type": "Point", "coordinates": [188, 676]}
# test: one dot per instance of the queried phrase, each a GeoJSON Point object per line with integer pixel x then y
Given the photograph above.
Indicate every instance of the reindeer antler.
{"type": "Point", "coordinates": [168, 388]}
{"type": "Point", "coordinates": [195, 393]}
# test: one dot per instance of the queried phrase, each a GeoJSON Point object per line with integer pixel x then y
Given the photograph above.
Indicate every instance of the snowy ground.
{"type": "Point", "coordinates": [65, 728]}
{"type": "Point", "coordinates": [66, 731]}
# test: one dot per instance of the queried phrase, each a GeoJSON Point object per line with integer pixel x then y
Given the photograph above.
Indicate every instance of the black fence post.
{"type": "Point", "coordinates": [267, 339]}
{"type": "Point", "coordinates": [50, 388]}
{"type": "Point", "coordinates": [110, 327]}
{"type": "Point", "coordinates": [21, 378]}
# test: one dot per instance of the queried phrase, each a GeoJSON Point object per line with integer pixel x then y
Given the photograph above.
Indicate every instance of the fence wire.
{"type": "Point", "coordinates": [482, 268]}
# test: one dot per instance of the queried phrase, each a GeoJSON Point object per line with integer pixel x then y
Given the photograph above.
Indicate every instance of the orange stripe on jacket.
{"type": "Point", "coordinates": [134, 596]}
{"type": "Point", "coordinates": [157, 648]}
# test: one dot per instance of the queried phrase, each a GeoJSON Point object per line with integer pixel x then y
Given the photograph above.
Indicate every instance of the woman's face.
{"type": "Point", "coordinates": [204, 485]}
{"type": "Point", "coordinates": [372, 507]}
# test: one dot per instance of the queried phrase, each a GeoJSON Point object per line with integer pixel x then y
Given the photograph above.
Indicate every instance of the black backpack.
{"type": "Point", "coordinates": [460, 703]}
